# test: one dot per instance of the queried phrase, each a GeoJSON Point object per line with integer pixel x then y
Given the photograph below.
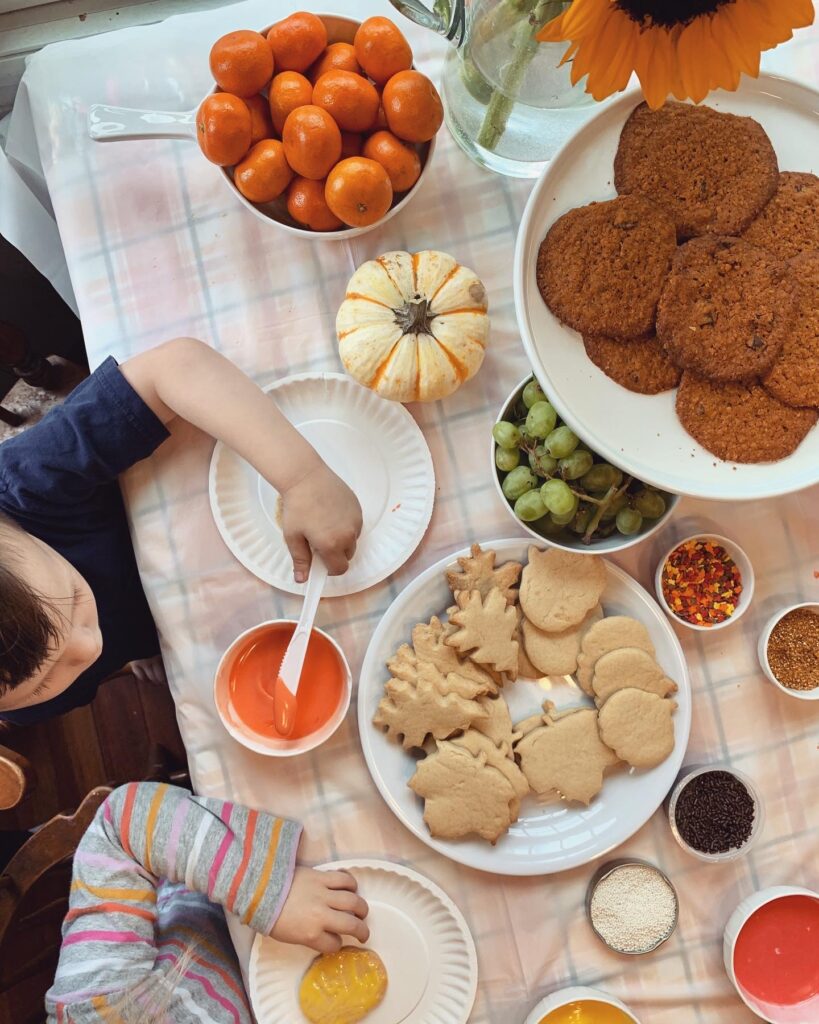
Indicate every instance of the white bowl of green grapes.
{"type": "Point", "coordinates": [562, 492]}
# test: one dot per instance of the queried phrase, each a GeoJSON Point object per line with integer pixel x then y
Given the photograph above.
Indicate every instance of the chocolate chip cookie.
{"type": "Point", "coordinates": [638, 364]}
{"type": "Point", "coordinates": [725, 309]}
{"type": "Point", "coordinates": [601, 267]}
{"type": "Point", "coordinates": [740, 422]}
{"type": "Point", "coordinates": [713, 172]}
{"type": "Point", "coordinates": [789, 224]}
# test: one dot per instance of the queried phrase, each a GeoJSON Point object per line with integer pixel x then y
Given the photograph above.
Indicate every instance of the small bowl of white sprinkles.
{"type": "Point", "coordinates": [632, 906]}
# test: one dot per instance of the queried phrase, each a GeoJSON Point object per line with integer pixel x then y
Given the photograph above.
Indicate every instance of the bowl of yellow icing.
{"type": "Point", "coordinates": [580, 1005]}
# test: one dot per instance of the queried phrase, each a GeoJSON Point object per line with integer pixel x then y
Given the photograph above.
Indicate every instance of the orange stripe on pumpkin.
{"type": "Point", "coordinates": [366, 298]}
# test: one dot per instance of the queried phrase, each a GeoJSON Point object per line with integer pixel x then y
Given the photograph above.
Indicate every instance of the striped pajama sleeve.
{"type": "Point", "coordinates": [147, 876]}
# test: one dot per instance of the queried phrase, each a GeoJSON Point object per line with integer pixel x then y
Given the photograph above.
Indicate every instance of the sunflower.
{"type": "Point", "coordinates": [684, 47]}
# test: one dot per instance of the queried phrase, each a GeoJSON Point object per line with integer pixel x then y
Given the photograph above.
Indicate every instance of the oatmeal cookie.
{"type": "Point", "coordinates": [601, 267]}
{"type": "Point", "coordinates": [740, 422]}
{"type": "Point", "coordinates": [794, 378]}
{"type": "Point", "coordinates": [725, 310]}
{"type": "Point", "coordinates": [638, 364]}
{"type": "Point", "coordinates": [713, 172]}
{"type": "Point", "coordinates": [789, 224]}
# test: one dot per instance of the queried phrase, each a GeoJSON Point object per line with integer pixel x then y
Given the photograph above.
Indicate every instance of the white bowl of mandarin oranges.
{"type": "Point", "coordinates": [320, 123]}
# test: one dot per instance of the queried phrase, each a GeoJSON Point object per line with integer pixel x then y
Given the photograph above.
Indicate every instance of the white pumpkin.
{"type": "Point", "coordinates": [413, 327]}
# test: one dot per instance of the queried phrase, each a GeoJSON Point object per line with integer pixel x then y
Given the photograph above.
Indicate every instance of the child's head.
{"type": "Point", "coordinates": [49, 631]}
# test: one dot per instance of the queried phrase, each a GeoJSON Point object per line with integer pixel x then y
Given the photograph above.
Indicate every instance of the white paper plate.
{"type": "Point", "coordinates": [641, 433]}
{"type": "Point", "coordinates": [417, 931]}
{"type": "Point", "coordinates": [375, 446]}
{"type": "Point", "coordinates": [547, 837]}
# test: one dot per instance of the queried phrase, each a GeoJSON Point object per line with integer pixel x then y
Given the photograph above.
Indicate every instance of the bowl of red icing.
{"type": "Point", "coordinates": [771, 951]}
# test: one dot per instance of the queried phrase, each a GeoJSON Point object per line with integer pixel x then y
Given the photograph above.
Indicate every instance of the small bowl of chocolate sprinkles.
{"type": "Point", "coordinates": [789, 651]}
{"type": "Point", "coordinates": [715, 813]}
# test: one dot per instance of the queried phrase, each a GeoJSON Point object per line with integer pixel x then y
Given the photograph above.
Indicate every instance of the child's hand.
{"type": "Point", "coordinates": [321, 907]}
{"type": "Point", "coordinates": [320, 513]}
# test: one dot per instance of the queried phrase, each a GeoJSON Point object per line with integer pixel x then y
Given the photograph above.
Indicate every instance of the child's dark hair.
{"type": "Point", "coordinates": [29, 627]}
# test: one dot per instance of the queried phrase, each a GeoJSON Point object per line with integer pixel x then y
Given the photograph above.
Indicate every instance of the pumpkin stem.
{"type": "Point", "coordinates": [414, 317]}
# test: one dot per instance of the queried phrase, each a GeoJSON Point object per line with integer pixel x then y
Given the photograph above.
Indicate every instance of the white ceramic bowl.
{"type": "Point", "coordinates": [614, 542]}
{"type": "Point", "coordinates": [340, 29]}
{"type": "Point", "coordinates": [256, 741]}
{"type": "Point", "coordinates": [762, 652]}
{"type": "Point", "coordinates": [735, 925]}
{"type": "Point", "coordinates": [692, 772]}
{"type": "Point", "coordinates": [574, 995]}
{"type": "Point", "coordinates": [742, 562]}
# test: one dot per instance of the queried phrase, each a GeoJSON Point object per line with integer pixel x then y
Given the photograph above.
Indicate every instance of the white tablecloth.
{"type": "Point", "coordinates": [157, 247]}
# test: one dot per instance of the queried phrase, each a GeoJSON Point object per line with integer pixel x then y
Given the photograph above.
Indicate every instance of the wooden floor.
{"type": "Point", "coordinates": [110, 741]}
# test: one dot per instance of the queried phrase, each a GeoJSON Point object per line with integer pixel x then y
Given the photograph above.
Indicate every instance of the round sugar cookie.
{"type": "Point", "coordinates": [555, 654]}
{"type": "Point", "coordinates": [629, 667]}
{"type": "Point", "coordinates": [638, 727]}
{"type": "Point", "coordinates": [607, 635]}
{"type": "Point", "coordinates": [558, 588]}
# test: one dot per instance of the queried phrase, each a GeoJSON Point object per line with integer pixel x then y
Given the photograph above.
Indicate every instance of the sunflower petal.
{"type": "Point", "coordinates": [653, 63]}
{"type": "Point", "coordinates": [692, 56]}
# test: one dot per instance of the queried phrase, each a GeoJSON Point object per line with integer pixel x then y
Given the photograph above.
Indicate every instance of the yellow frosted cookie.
{"type": "Point", "coordinates": [343, 987]}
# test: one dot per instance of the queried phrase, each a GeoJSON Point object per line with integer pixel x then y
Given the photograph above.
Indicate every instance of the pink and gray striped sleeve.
{"type": "Point", "coordinates": [148, 876]}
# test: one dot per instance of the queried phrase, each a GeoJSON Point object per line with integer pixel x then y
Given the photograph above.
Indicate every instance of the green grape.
{"type": "Point", "coordinates": [506, 458]}
{"type": "Point", "coordinates": [557, 497]}
{"type": "Point", "coordinates": [530, 507]}
{"type": "Point", "coordinates": [519, 481]}
{"type": "Point", "coordinates": [629, 521]}
{"type": "Point", "coordinates": [650, 504]}
{"type": "Point", "coordinates": [563, 520]}
{"type": "Point", "coordinates": [532, 393]}
{"type": "Point", "coordinates": [526, 439]}
{"type": "Point", "coordinates": [575, 465]}
{"type": "Point", "coordinates": [600, 477]}
{"type": "Point", "coordinates": [614, 506]}
{"type": "Point", "coordinates": [541, 419]}
{"type": "Point", "coordinates": [581, 520]}
{"type": "Point", "coordinates": [561, 442]}
{"type": "Point", "coordinates": [549, 528]}
{"type": "Point", "coordinates": [542, 462]}
{"type": "Point", "coordinates": [506, 435]}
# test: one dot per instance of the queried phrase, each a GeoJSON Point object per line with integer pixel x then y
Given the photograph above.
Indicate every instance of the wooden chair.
{"type": "Point", "coordinates": [33, 902]}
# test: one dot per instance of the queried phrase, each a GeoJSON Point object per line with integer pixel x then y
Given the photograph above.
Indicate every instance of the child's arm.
{"type": "Point", "coordinates": [242, 859]}
{"type": "Point", "coordinates": [186, 378]}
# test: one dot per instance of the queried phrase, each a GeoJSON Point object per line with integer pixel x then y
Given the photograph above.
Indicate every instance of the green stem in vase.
{"type": "Point", "coordinates": [525, 47]}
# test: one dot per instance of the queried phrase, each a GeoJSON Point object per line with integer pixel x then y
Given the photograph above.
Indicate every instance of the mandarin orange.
{"type": "Point", "coordinates": [264, 173]}
{"type": "Point", "coordinates": [337, 57]}
{"type": "Point", "coordinates": [349, 98]}
{"type": "Point", "coordinates": [261, 127]}
{"type": "Point", "coordinates": [398, 159]}
{"type": "Point", "coordinates": [412, 106]}
{"type": "Point", "coordinates": [288, 90]}
{"type": "Point", "coordinates": [312, 141]}
{"type": "Point", "coordinates": [223, 128]}
{"type": "Point", "coordinates": [358, 191]}
{"type": "Point", "coordinates": [381, 49]}
{"type": "Point", "coordinates": [307, 206]}
{"type": "Point", "coordinates": [241, 62]}
{"type": "Point", "coordinates": [297, 41]}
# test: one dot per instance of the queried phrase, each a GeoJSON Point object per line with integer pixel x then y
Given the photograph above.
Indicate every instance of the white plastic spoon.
{"type": "Point", "coordinates": [287, 682]}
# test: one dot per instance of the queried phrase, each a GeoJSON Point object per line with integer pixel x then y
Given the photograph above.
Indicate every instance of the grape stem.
{"type": "Point", "coordinates": [611, 495]}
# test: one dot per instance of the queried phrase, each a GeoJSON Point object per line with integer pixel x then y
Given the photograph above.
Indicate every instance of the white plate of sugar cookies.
{"type": "Point", "coordinates": [524, 710]}
{"type": "Point", "coordinates": [425, 954]}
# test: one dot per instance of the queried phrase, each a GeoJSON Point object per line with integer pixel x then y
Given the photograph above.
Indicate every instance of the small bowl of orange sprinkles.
{"type": "Point", "coordinates": [705, 582]}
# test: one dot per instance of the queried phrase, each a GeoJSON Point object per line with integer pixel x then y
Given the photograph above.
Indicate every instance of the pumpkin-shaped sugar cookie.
{"type": "Point", "coordinates": [413, 326]}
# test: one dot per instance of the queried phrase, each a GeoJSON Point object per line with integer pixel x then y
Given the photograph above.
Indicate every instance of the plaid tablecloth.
{"type": "Point", "coordinates": [157, 247]}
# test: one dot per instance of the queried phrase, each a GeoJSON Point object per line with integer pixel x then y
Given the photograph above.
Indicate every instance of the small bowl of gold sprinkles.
{"type": "Point", "coordinates": [789, 650]}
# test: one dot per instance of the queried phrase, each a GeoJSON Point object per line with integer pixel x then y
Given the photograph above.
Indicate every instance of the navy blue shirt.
{"type": "Point", "coordinates": [58, 481]}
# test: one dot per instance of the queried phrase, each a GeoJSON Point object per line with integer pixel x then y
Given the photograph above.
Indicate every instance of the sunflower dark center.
{"type": "Point", "coordinates": [668, 13]}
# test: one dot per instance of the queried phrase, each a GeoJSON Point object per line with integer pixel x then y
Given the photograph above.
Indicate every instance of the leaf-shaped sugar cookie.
{"type": "Point", "coordinates": [414, 712]}
{"type": "Point", "coordinates": [487, 630]}
{"type": "Point", "coordinates": [477, 572]}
